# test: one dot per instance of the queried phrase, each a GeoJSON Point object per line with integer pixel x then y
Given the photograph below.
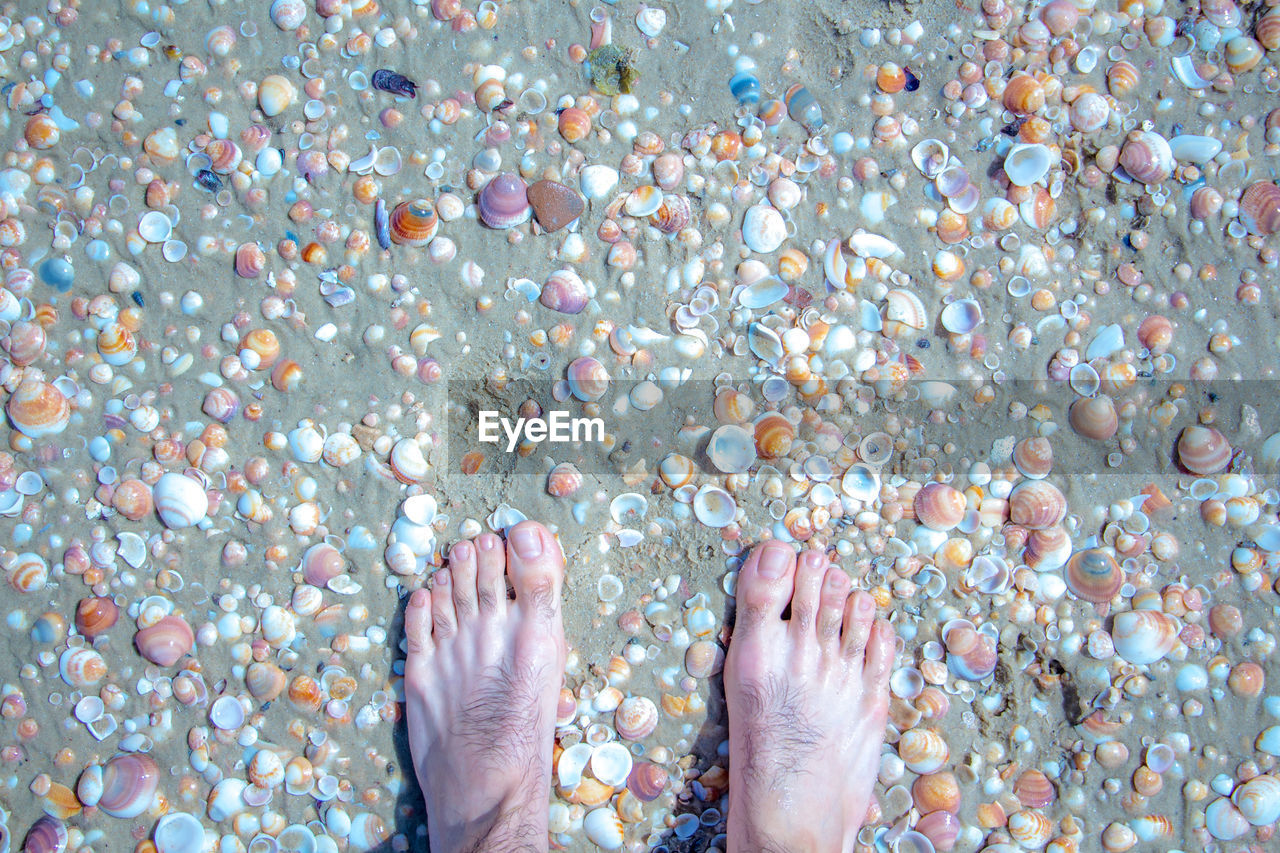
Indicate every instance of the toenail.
{"type": "Point", "coordinates": [462, 551]}
{"type": "Point", "coordinates": [441, 577]}
{"type": "Point", "coordinates": [487, 543]}
{"type": "Point", "coordinates": [773, 562]}
{"type": "Point", "coordinates": [420, 598]}
{"type": "Point", "coordinates": [865, 603]}
{"type": "Point", "coordinates": [527, 542]}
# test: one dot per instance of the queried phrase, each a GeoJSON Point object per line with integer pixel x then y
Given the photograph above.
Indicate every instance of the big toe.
{"type": "Point", "coordinates": [764, 588]}
{"type": "Point", "coordinates": [536, 567]}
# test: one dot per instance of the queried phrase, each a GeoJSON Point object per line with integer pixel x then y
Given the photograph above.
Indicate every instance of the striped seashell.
{"type": "Point", "coordinates": [1094, 417]}
{"type": "Point", "coordinates": [1144, 636]}
{"type": "Point", "coordinates": [647, 780]}
{"type": "Point", "coordinates": [305, 694]}
{"type": "Point", "coordinates": [25, 342]}
{"type": "Point", "coordinates": [1242, 54]}
{"type": "Point", "coordinates": [1089, 112]}
{"type": "Point", "coordinates": [254, 138]}
{"type": "Point", "coordinates": [932, 703]}
{"type": "Point", "coordinates": [923, 750]}
{"type": "Point", "coordinates": [1033, 457]}
{"type": "Point", "coordinates": [132, 499]}
{"type": "Point", "coordinates": [82, 667]}
{"type": "Point", "coordinates": [1267, 30]}
{"type": "Point", "coordinates": [414, 223]}
{"type": "Point", "coordinates": [38, 409]}
{"type": "Point", "coordinates": [1094, 575]}
{"type": "Point", "coordinates": [936, 792]}
{"type": "Point", "coordinates": [1206, 202]}
{"type": "Point", "coordinates": [564, 480]}
{"type": "Point", "coordinates": [322, 563]}
{"type": "Point", "coordinates": [574, 124]}
{"type": "Point", "coordinates": [1260, 208]}
{"type": "Point", "coordinates": [703, 659]}
{"type": "Point", "coordinates": [1036, 505]}
{"type": "Point", "coordinates": [942, 828]}
{"type": "Point", "coordinates": [504, 202]}
{"type": "Point", "coordinates": [635, 718]}
{"type": "Point", "coordinates": [1224, 821]}
{"type": "Point", "coordinates": [221, 404]}
{"type": "Point", "coordinates": [1030, 829]}
{"type": "Point", "coordinates": [29, 573]}
{"type": "Point", "coordinates": [224, 154]}
{"type": "Point", "coordinates": [565, 291]}
{"type": "Point", "coordinates": [250, 260]}
{"type": "Point", "coordinates": [96, 615]}
{"type": "Point", "coordinates": [939, 506]}
{"type": "Point", "coordinates": [180, 501]}
{"type": "Point", "coordinates": [264, 346]}
{"type": "Point", "coordinates": [266, 770]}
{"type": "Point", "coordinates": [407, 463]}
{"type": "Point", "coordinates": [1023, 95]}
{"type": "Point", "coordinates": [1034, 790]}
{"type": "Point", "coordinates": [1152, 827]}
{"type": "Point", "coordinates": [588, 379]}
{"type": "Point", "coordinates": [165, 642]}
{"type": "Point", "coordinates": [970, 655]}
{"type": "Point", "coordinates": [116, 344]}
{"type": "Point", "coordinates": [1203, 450]}
{"type": "Point", "coordinates": [47, 835]}
{"type": "Point", "coordinates": [774, 435]}
{"type": "Point", "coordinates": [904, 313]}
{"type": "Point", "coordinates": [1259, 800]}
{"type": "Point", "coordinates": [677, 470]}
{"type": "Point", "coordinates": [673, 214]}
{"type": "Point", "coordinates": [1147, 157]}
{"type": "Point", "coordinates": [1047, 550]}
{"type": "Point", "coordinates": [340, 448]}
{"type": "Point", "coordinates": [129, 784]}
{"type": "Point", "coordinates": [1122, 78]}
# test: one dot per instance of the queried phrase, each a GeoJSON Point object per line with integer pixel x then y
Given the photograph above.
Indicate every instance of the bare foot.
{"type": "Point", "coordinates": [807, 702]}
{"type": "Point", "coordinates": [481, 679]}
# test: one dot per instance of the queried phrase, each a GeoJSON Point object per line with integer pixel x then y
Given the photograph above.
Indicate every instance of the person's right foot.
{"type": "Point", "coordinates": [807, 698]}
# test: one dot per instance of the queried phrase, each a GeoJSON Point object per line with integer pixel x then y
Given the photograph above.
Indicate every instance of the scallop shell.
{"type": "Point", "coordinates": [180, 501]}
{"type": "Point", "coordinates": [939, 506]}
{"type": "Point", "coordinates": [923, 750]}
{"type": "Point", "coordinates": [1094, 575]}
{"type": "Point", "coordinates": [129, 784]}
{"type": "Point", "coordinates": [165, 642]}
{"type": "Point", "coordinates": [1037, 504]}
{"type": "Point", "coordinates": [1259, 800]}
{"type": "Point", "coordinates": [1094, 417]}
{"type": "Point", "coordinates": [1143, 636]}
{"type": "Point", "coordinates": [1023, 95]}
{"type": "Point", "coordinates": [414, 223]}
{"type": "Point", "coordinates": [564, 291]}
{"type": "Point", "coordinates": [635, 718]}
{"type": "Point", "coordinates": [1260, 205]}
{"type": "Point", "coordinates": [38, 409]}
{"type": "Point", "coordinates": [1203, 450]}
{"type": "Point", "coordinates": [1033, 457]}
{"type": "Point", "coordinates": [504, 202]}
{"type": "Point", "coordinates": [96, 615]}
{"type": "Point", "coordinates": [763, 229]}
{"type": "Point", "coordinates": [47, 835]}
{"type": "Point", "coordinates": [1147, 157]}
{"type": "Point", "coordinates": [1026, 164]}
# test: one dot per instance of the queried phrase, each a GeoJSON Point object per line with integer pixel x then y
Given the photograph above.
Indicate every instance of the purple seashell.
{"type": "Point", "coordinates": [221, 404]}
{"type": "Point", "coordinates": [396, 84]}
{"type": "Point", "coordinates": [504, 202]}
{"type": "Point", "coordinates": [313, 165]}
{"type": "Point", "coordinates": [47, 835]}
{"type": "Point", "coordinates": [129, 783]}
{"type": "Point", "coordinates": [382, 224]}
{"type": "Point", "coordinates": [588, 379]}
{"type": "Point", "coordinates": [564, 292]}
{"type": "Point", "coordinates": [951, 181]}
{"type": "Point", "coordinates": [165, 642]}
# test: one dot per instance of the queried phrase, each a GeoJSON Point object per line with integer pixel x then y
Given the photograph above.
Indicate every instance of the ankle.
{"type": "Point", "coordinates": [509, 826]}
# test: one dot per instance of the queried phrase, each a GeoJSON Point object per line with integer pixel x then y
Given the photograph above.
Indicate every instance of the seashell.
{"type": "Point", "coordinates": [951, 181]}
{"type": "Point", "coordinates": [603, 828]}
{"type": "Point", "coordinates": [1027, 164]}
{"type": "Point", "coordinates": [1258, 800]}
{"type": "Point", "coordinates": [1242, 54]}
{"type": "Point", "coordinates": [611, 764]}
{"type": "Point", "coordinates": [1260, 208]}
{"type": "Point", "coordinates": [81, 667]}
{"type": "Point", "coordinates": [564, 480]}
{"type": "Point", "coordinates": [714, 507]}
{"type": "Point", "coordinates": [732, 449]}
{"type": "Point", "coordinates": [278, 625]}
{"type": "Point", "coordinates": [673, 215]}
{"type": "Point", "coordinates": [367, 832]}
{"type": "Point", "coordinates": [938, 506]}
{"type": "Point", "coordinates": [1094, 417]}
{"type": "Point", "coordinates": [588, 379]}
{"type": "Point", "coordinates": [803, 108]}
{"type": "Point", "coordinates": [930, 157]}
{"type": "Point", "coordinates": [504, 202]}
{"type": "Point", "coordinates": [1203, 450]}
{"type": "Point", "coordinates": [961, 317]}
{"type": "Point", "coordinates": [165, 642]}
{"type": "Point", "coordinates": [1023, 95]}
{"type": "Point", "coordinates": [299, 776]}
{"type": "Point", "coordinates": [276, 93]}
{"type": "Point", "coordinates": [1189, 148]}
{"type": "Point", "coordinates": [129, 784]}
{"type": "Point", "coordinates": [265, 681]}
{"type": "Point", "coordinates": [763, 229]}
{"type": "Point", "coordinates": [574, 124]}
{"type": "Point", "coordinates": [1267, 30]}
{"type": "Point", "coordinates": [38, 409]}
{"type": "Point", "coordinates": [763, 293]}
{"type": "Point", "coordinates": [1037, 504]}
{"type": "Point", "coordinates": [970, 655]}
{"type": "Point", "coordinates": [180, 501]}
{"type": "Point", "coordinates": [668, 171]}
{"type": "Point", "coordinates": [745, 86]}
{"type": "Point", "coordinates": [1155, 333]}
{"type": "Point", "coordinates": [1094, 575]}
{"type": "Point", "coordinates": [407, 462]}
{"type": "Point", "coordinates": [265, 769]}
{"type": "Point", "coordinates": [942, 828]}
{"type": "Point", "coordinates": [1224, 821]}
{"type": "Point", "coordinates": [226, 799]}
{"type": "Point", "coordinates": [179, 832]}
{"type": "Point", "coordinates": [1089, 112]}
{"type": "Point", "coordinates": [305, 694]}
{"type": "Point", "coordinates": [1034, 790]}
{"type": "Point", "coordinates": [47, 835]}
{"type": "Point", "coordinates": [25, 342]}
{"type": "Point", "coordinates": [224, 156]}
{"type": "Point", "coordinates": [288, 15]}
{"type": "Point", "coordinates": [1030, 829]}
{"type": "Point", "coordinates": [936, 792]}
{"type": "Point", "coordinates": [89, 786]}
{"type": "Point", "coordinates": [116, 344]}
{"type": "Point", "coordinates": [1122, 78]}
{"type": "Point", "coordinates": [1033, 457]}
{"type": "Point", "coordinates": [564, 291]}
{"type": "Point", "coordinates": [773, 437]}
{"type": "Point", "coordinates": [95, 615]}
{"type": "Point", "coordinates": [29, 573]}
{"type": "Point", "coordinates": [1143, 636]}
{"type": "Point", "coordinates": [322, 563]}
{"type": "Point", "coordinates": [643, 201]}
{"type": "Point", "coordinates": [635, 718]}
{"type": "Point", "coordinates": [647, 780]}
{"type": "Point", "coordinates": [1147, 157]}
{"type": "Point", "coordinates": [597, 181]}
{"type": "Point", "coordinates": [250, 260]}
{"type": "Point", "coordinates": [414, 223]}
{"type": "Point", "coordinates": [904, 313]}
{"type": "Point", "coordinates": [41, 132]}
{"type": "Point", "coordinates": [676, 470]}
{"type": "Point", "coordinates": [923, 750]}
{"type": "Point", "coordinates": [340, 448]}
{"type": "Point", "coordinates": [703, 659]}
{"type": "Point", "coordinates": [221, 404]}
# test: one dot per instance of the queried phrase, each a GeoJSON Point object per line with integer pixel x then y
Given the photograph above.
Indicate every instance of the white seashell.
{"type": "Point", "coordinates": [611, 763]}
{"type": "Point", "coordinates": [89, 787]}
{"type": "Point", "coordinates": [407, 462]}
{"type": "Point", "coordinates": [571, 764]}
{"type": "Point", "coordinates": [387, 161]}
{"type": "Point", "coordinates": [227, 714]}
{"type": "Point", "coordinates": [340, 448]}
{"type": "Point", "coordinates": [597, 181]}
{"type": "Point", "coordinates": [905, 308]}
{"type": "Point", "coordinates": [603, 828]}
{"type": "Point", "coordinates": [643, 202]}
{"type": "Point", "coordinates": [651, 21]}
{"type": "Point", "coordinates": [1143, 636]}
{"type": "Point", "coordinates": [180, 501]}
{"type": "Point", "coordinates": [763, 229]}
{"type": "Point", "coordinates": [227, 798]}
{"type": "Point", "coordinates": [732, 449]}
{"type": "Point", "coordinates": [306, 444]}
{"type": "Point", "coordinates": [1184, 68]}
{"type": "Point", "coordinates": [1259, 800]}
{"type": "Point", "coordinates": [419, 537]}
{"type": "Point", "coordinates": [179, 832]}
{"type": "Point", "coordinates": [930, 156]}
{"type": "Point", "coordinates": [278, 626]}
{"type": "Point", "coordinates": [962, 316]}
{"type": "Point", "coordinates": [420, 509]}
{"type": "Point", "coordinates": [628, 508]}
{"type": "Point", "coordinates": [867, 245]}
{"type": "Point", "coordinates": [765, 343]}
{"type": "Point", "coordinates": [861, 482]}
{"type": "Point", "coordinates": [1025, 164]}
{"type": "Point", "coordinates": [714, 507]}
{"type": "Point", "coordinates": [763, 293]}
{"type": "Point", "coordinates": [364, 165]}
{"type": "Point", "coordinates": [154, 227]}
{"type": "Point", "coordinates": [1189, 148]}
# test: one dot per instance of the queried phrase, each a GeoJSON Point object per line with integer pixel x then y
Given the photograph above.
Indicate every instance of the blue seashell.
{"type": "Point", "coordinates": [803, 108]}
{"type": "Point", "coordinates": [745, 87]}
{"type": "Point", "coordinates": [58, 274]}
{"type": "Point", "coordinates": [382, 224]}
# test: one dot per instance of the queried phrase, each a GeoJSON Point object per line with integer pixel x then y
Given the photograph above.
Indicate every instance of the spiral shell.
{"type": "Point", "coordinates": [1033, 457]}
{"type": "Point", "coordinates": [25, 342]}
{"type": "Point", "coordinates": [165, 642]}
{"type": "Point", "coordinates": [81, 667]}
{"type": "Point", "coordinates": [1259, 800]}
{"type": "Point", "coordinates": [1094, 575]}
{"type": "Point", "coordinates": [1094, 417]}
{"type": "Point", "coordinates": [414, 223]}
{"type": "Point", "coordinates": [1023, 95]}
{"type": "Point", "coordinates": [504, 202]}
{"type": "Point", "coordinates": [774, 435]}
{"type": "Point", "coordinates": [565, 291]}
{"type": "Point", "coordinates": [180, 501]}
{"type": "Point", "coordinates": [635, 718]}
{"type": "Point", "coordinates": [38, 409]}
{"type": "Point", "coordinates": [1037, 504]}
{"type": "Point", "coordinates": [1030, 829]}
{"type": "Point", "coordinates": [47, 835]}
{"type": "Point", "coordinates": [1147, 157]}
{"type": "Point", "coordinates": [1260, 207]}
{"type": "Point", "coordinates": [116, 344]}
{"type": "Point", "coordinates": [564, 480]}
{"type": "Point", "coordinates": [95, 615]}
{"type": "Point", "coordinates": [673, 215]}
{"type": "Point", "coordinates": [936, 792]}
{"type": "Point", "coordinates": [923, 750]}
{"type": "Point", "coordinates": [939, 506]}
{"type": "Point", "coordinates": [1143, 636]}
{"type": "Point", "coordinates": [1203, 450]}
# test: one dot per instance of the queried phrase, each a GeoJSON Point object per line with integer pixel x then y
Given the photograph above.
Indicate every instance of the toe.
{"type": "Point", "coordinates": [835, 591]}
{"type": "Point", "coordinates": [764, 586]}
{"type": "Point", "coordinates": [811, 568]}
{"type": "Point", "coordinates": [880, 651]}
{"type": "Point", "coordinates": [859, 610]}
{"type": "Point", "coordinates": [462, 565]}
{"type": "Point", "coordinates": [491, 579]}
{"type": "Point", "coordinates": [536, 566]}
{"type": "Point", "coordinates": [417, 625]}
{"type": "Point", "coordinates": [444, 624]}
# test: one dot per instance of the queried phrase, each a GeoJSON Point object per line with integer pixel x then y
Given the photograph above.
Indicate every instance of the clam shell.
{"type": "Point", "coordinates": [1258, 800]}
{"type": "Point", "coordinates": [603, 828]}
{"type": "Point", "coordinates": [180, 501]}
{"type": "Point", "coordinates": [597, 181]}
{"type": "Point", "coordinates": [25, 342]}
{"type": "Point", "coordinates": [962, 316]}
{"type": "Point", "coordinates": [95, 615]}
{"type": "Point", "coordinates": [635, 718]}
{"type": "Point", "coordinates": [763, 229]}
{"type": "Point", "coordinates": [414, 223]}
{"type": "Point", "coordinates": [611, 764]}
{"type": "Point", "coordinates": [179, 832]}
{"type": "Point", "coordinates": [564, 480]}
{"type": "Point", "coordinates": [38, 409]}
{"type": "Point", "coordinates": [923, 750]}
{"type": "Point", "coordinates": [930, 156]}
{"type": "Point", "coordinates": [938, 506]}
{"type": "Point", "coordinates": [1203, 450]}
{"type": "Point", "coordinates": [1224, 821]}
{"type": "Point", "coordinates": [129, 784]}
{"type": "Point", "coordinates": [904, 312]}
{"type": "Point", "coordinates": [89, 786]}
{"type": "Point", "coordinates": [676, 470]}
{"type": "Point", "coordinates": [647, 781]}
{"type": "Point", "coordinates": [165, 642]}
{"type": "Point", "coordinates": [565, 291]}
{"type": "Point", "coordinates": [1030, 829]}
{"type": "Point", "coordinates": [1036, 505]}
{"type": "Point", "coordinates": [1260, 205]}
{"type": "Point", "coordinates": [936, 792]}
{"type": "Point", "coordinates": [1034, 790]}
{"type": "Point", "coordinates": [1147, 157]}
{"type": "Point", "coordinates": [588, 379]}
{"type": "Point", "coordinates": [1094, 575]}
{"type": "Point", "coordinates": [504, 202]}
{"type": "Point", "coordinates": [29, 573]}
{"type": "Point", "coordinates": [1033, 457]}
{"type": "Point", "coordinates": [643, 202]}
{"type": "Point", "coordinates": [47, 835]}
{"type": "Point", "coordinates": [264, 680]}
{"type": "Point", "coordinates": [1024, 95]}
{"type": "Point", "coordinates": [82, 667]}
{"type": "Point", "coordinates": [407, 462]}
{"type": "Point", "coordinates": [1143, 636]}
{"type": "Point", "coordinates": [1094, 417]}
{"type": "Point", "coordinates": [1048, 549]}
{"type": "Point", "coordinates": [732, 449]}
{"type": "Point", "coordinates": [703, 659]}
{"type": "Point", "coordinates": [1026, 164]}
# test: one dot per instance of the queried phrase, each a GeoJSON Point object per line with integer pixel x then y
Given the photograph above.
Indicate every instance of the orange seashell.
{"type": "Point", "coordinates": [1267, 30]}
{"type": "Point", "coordinates": [923, 750]}
{"type": "Point", "coordinates": [41, 132]}
{"type": "Point", "coordinates": [1030, 829]}
{"type": "Point", "coordinates": [264, 344]}
{"type": "Point", "coordinates": [29, 573]}
{"type": "Point", "coordinates": [774, 435]}
{"type": "Point", "coordinates": [733, 407]}
{"type": "Point", "coordinates": [635, 718]}
{"type": "Point", "coordinates": [1203, 450]}
{"type": "Point", "coordinates": [951, 227]}
{"type": "Point", "coordinates": [564, 480]}
{"type": "Point", "coordinates": [1047, 550]}
{"type": "Point", "coordinates": [82, 667]}
{"type": "Point", "coordinates": [1037, 505]}
{"type": "Point", "coordinates": [1155, 333]}
{"type": "Point", "coordinates": [1260, 208]}
{"type": "Point", "coordinates": [165, 642]}
{"type": "Point", "coordinates": [286, 375]}
{"type": "Point", "coordinates": [1094, 575]}
{"type": "Point", "coordinates": [936, 792]}
{"type": "Point", "coordinates": [574, 124]}
{"type": "Point", "coordinates": [96, 615]}
{"type": "Point", "coordinates": [891, 78]}
{"type": "Point", "coordinates": [25, 342]}
{"type": "Point", "coordinates": [225, 155]}
{"type": "Point", "coordinates": [305, 694]}
{"type": "Point", "coordinates": [939, 506]}
{"type": "Point", "coordinates": [116, 344]}
{"type": "Point", "coordinates": [1246, 679]}
{"type": "Point", "coordinates": [1039, 210]}
{"type": "Point", "coordinates": [673, 215]}
{"type": "Point", "coordinates": [676, 470]}
{"type": "Point", "coordinates": [1033, 457]}
{"type": "Point", "coordinates": [265, 681]}
{"type": "Point", "coordinates": [38, 409]}
{"type": "Point", "coordinates": [932, 703]}
{"type": "Point", "coordinates": [1122, 78]}
{"type": "Point", "coordinates": [668, 170]}
{"type": "Point", "coordinates": [414, 223]}
{"type": "Point", "coordinates": [726, 145]}
{"type": "Point", "coordinates": [1023, 95]}
{"type": "Point", "coordinates": [1094, 417]}
{"type": "Point", "coordinates": [1034, 790]}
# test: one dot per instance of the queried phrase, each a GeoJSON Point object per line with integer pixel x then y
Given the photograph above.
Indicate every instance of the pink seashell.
{"type": "Point", "coordinates": [668, 170]}
{"type": "Point", "coordinates": [250, 260]}
{"type": "Point", "coordinates": [47, 835]}
{"type": "Point", "coordinates": [504, 202]}
{"type": "Point", "coordinates": [1203, 450]}
{"type": "Point", "coordinates": [224, 154]}
{"type": "Point", "coordinates": [564, 480]}
{"type": "Point", "coordinates": [1094, 417]}
{"type": "Point", "coordinates": [322, 563]}
{"type": "Point", "coordinates": [939, 506]}
{"type": "Point", "coordinates": [129, 784]}
{"type": "Point", "coordinates": [81, 667]}
{"type": "Point", "coordinates": [588, 379]}
{"type": "Point", "coordinates": [564, 291]}
{"type": "Point", "coordinates": [25, 342]}
{"type": "Point", "coordinates": [1147, 157]}
{"type": "Point", "coordinates": [635, 718]}
{"type": "Point", "coordinates": [1089, 112]}
{"type": "Point", "coordinates": [647, 780]}
{"type": "Point", "coordinates": [1037, 504]}
{"type": "Point", "coordinates": [1094, 575]}
{"type": "Point", "coordinates": [165, 642]}
{"type": "Point", "coordinates": [1033, 457]}
{"type": "Point", "coordinates": [38, 409]}
{"type": "Point", "coordinates": [221, 404]}
{"type": "Point", "coordinates": [1048, 549]}
{"type": "Point", "coordinates": [940, 827]}
{"type": "Point", "coordinates": [254, 138]}
{"type": "Point", "coordinates": [1060, 16]}
{"type": "Point", "coordinates": [951, 181]}
{"type": "Point", "coordinates": [673, 215]}
{"type": "Point", "coordinates": [923, 750]}
{"type": "Point", "coordinates": [1205, 203]}
{"type": "Point", "coordinates": [1034, 790]}
{"type": "Point", "coordinates": [1260, 208]}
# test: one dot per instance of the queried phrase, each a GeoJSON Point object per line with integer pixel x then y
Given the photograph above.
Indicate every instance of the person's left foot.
{"type": "Point", "coordinates": [481, 680]}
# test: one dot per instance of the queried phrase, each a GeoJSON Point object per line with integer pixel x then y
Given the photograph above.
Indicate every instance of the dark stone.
{"type": "Point", "coordinates": [554, 205]}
